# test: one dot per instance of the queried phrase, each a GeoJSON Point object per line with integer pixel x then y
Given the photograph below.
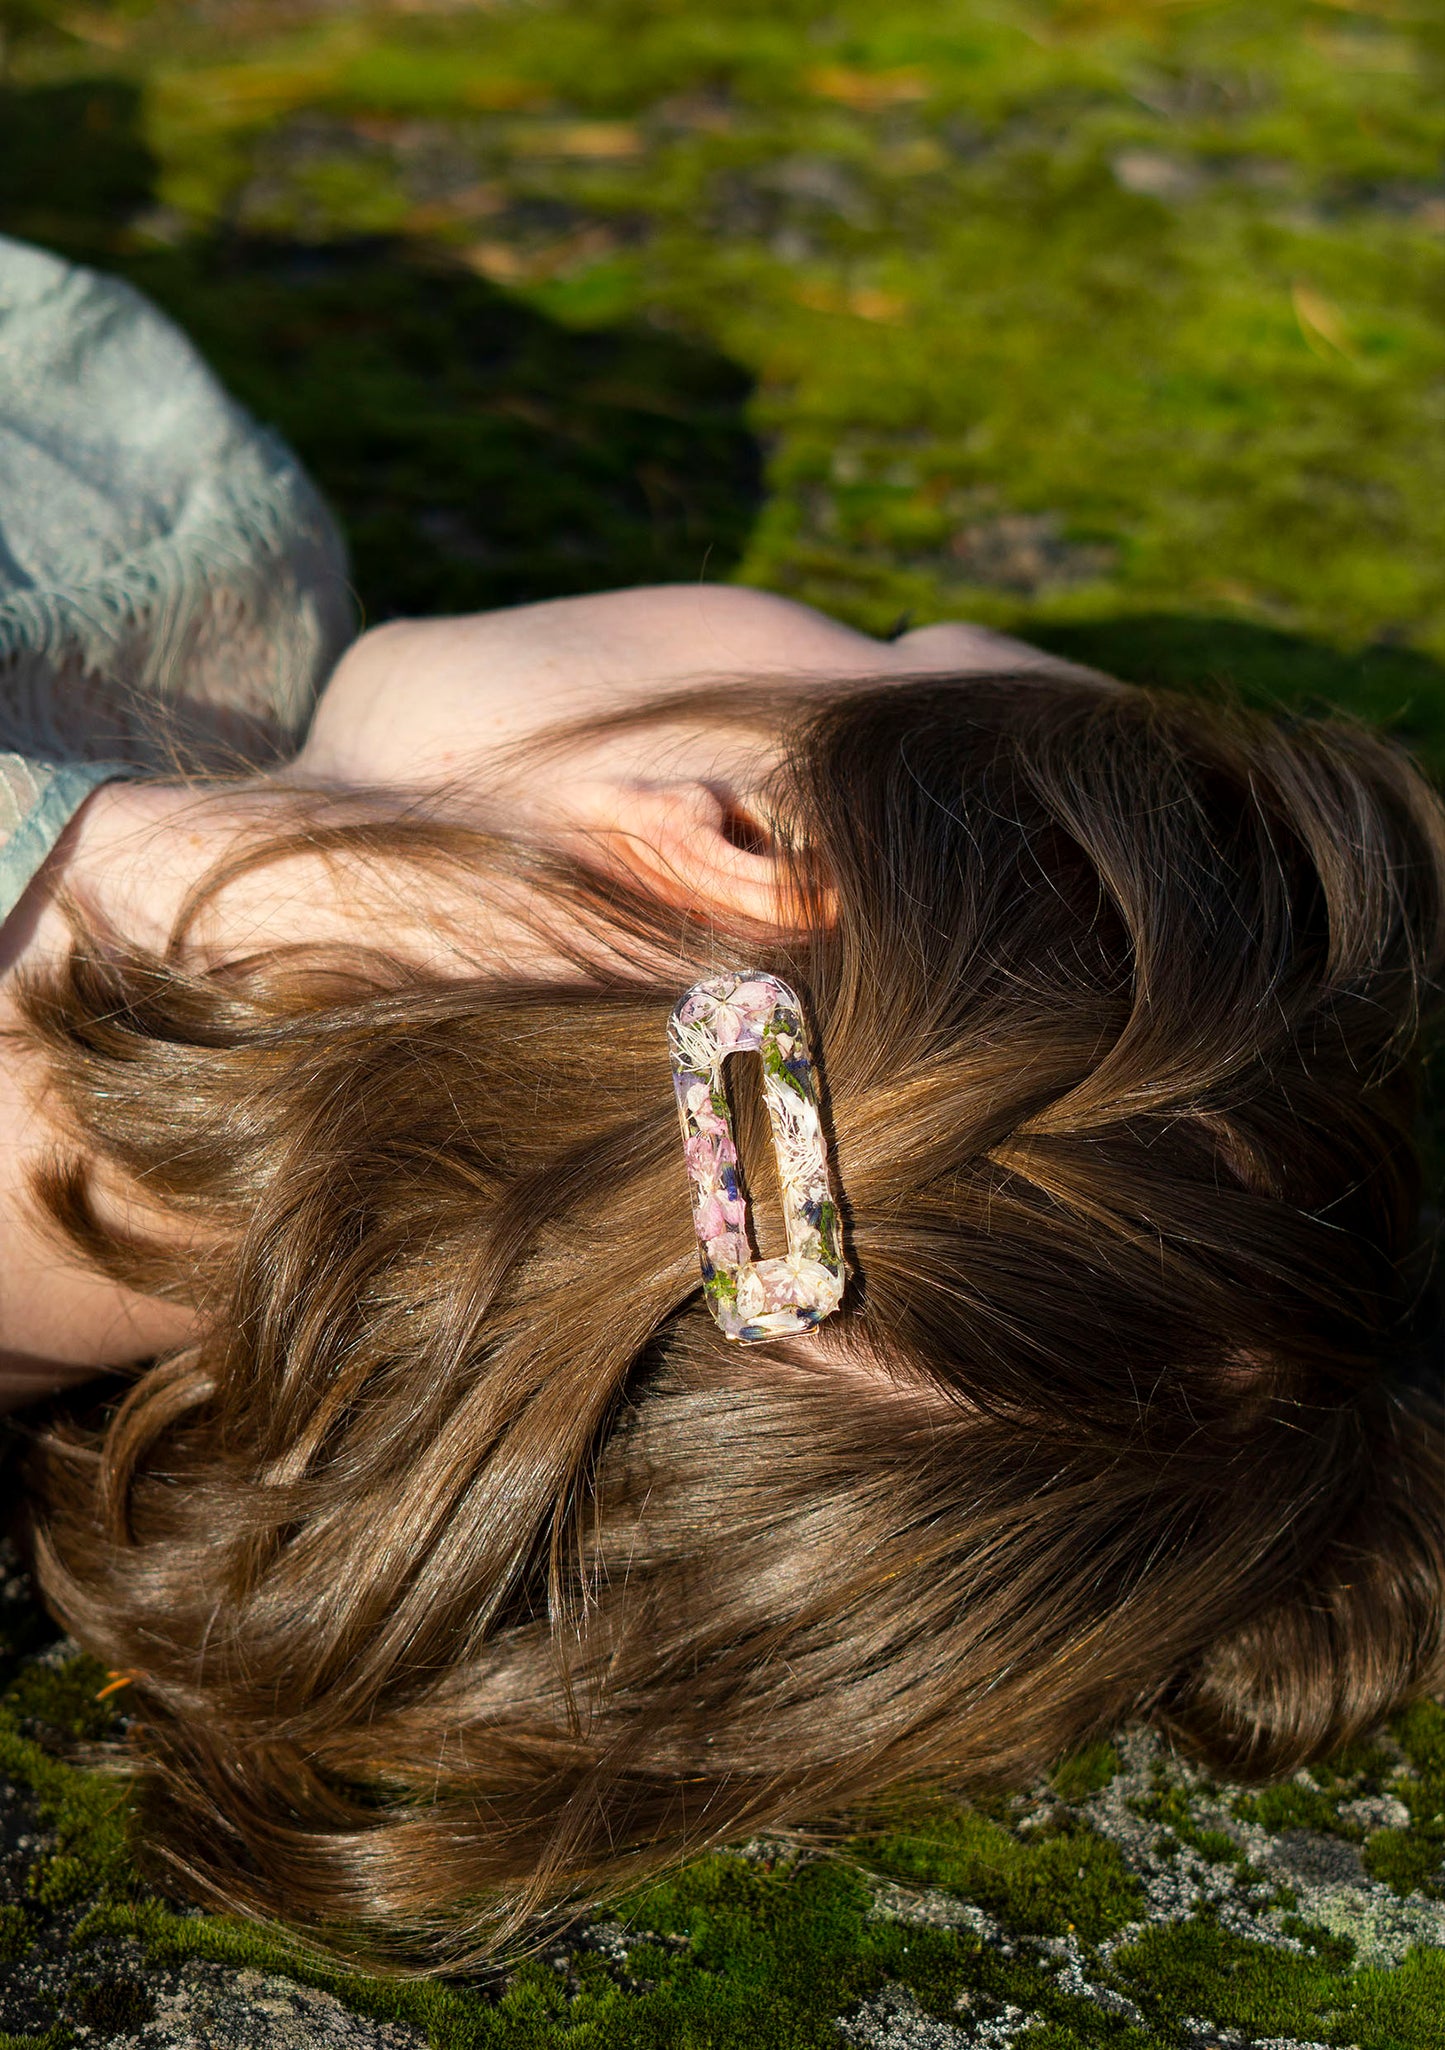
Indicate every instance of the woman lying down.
{"type": "Point", "coordinates": [690, 1214]}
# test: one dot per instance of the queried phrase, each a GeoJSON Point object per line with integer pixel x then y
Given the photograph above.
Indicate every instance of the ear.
{"type": "Point", "coordinates": [701, 846]}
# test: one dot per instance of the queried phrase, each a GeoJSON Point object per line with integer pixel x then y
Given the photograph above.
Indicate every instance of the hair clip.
{"type": "Point", "coordinates": [750, 1012]}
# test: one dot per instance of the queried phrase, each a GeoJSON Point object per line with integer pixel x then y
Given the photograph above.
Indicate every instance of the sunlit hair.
{"type": "Point", "coordinates": [464, 1567]}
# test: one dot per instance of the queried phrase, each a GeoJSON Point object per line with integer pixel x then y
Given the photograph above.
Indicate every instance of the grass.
{"type": "Point", "coordinates": [1113, 323]}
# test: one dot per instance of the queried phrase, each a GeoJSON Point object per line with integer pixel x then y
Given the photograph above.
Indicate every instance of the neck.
{"type": "Point", "coordinates": [129, 858]}
{"type": "Point", "coordinates": [140, 859]}
{"type": "Point", "coordinates": [132, 860]}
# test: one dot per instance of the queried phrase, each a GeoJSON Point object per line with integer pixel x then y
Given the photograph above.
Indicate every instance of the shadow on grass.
{"type": "Point", "coordinates": [1394, 687]}
{"type": "Point", "coordinates": [478, 452]}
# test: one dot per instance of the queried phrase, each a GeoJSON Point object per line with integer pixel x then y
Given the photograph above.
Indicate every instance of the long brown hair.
{"type": "Point", "coordinates": [464, 1567]}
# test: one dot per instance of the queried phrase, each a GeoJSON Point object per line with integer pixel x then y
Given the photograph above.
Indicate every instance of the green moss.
{"type": "Point", "coordinates": [1408, 1862]}
{"type": "Point", "coordinates": [1164, 284]}
{"type": "Point", "coordinates": [1365, 1767]}
{"type": "Point", "coordinates": [85, 1856]}
{"type": "Point", "coordinates": [16, 1930]}
{"type": "Point", "coordinates": [1400, 2007]}
{"type": "Point", "coordinates": [1420, 1732]}
{"type": "Point", "coordinates": [772, 1954]}
{"type": "Point", "coordinates": [1087, 1772]}
{"type": "Point", "coordinates": [1170, 1805]}
{"type": "Point", "coordinates": [739, 1952]}
{"type": "Point", "coordinates": [1292, 1806]}
{"type": "Point", "coordinates": [1053, 1880]}
{"type": "Point", "coordinates": [1335, 1949]}
{"type": "Point", "coordinates": [112, 2005]}
{"type": "Point", "coordinates": [62, 1703]}
{"type": "Point", "coordinates": [1199, 1968]}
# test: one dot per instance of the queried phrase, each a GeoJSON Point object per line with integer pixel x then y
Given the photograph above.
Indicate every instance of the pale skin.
{"type": "Point", "coordinates": [420, 714]}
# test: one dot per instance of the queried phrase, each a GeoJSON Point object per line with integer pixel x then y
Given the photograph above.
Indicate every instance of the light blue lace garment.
{"type": "Point", "coordinates": [172, 588]}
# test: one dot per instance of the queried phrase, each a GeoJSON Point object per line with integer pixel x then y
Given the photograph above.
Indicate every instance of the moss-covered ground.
{"type": "Point", "coordinates": [1115, 323]}
{"type": "Point", "coordinates": [1127, 1903]}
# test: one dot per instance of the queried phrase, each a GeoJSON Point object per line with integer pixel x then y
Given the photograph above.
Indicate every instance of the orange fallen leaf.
{"type": "Point", "coordinates": [93, 25]}
{"type": "Point", "coordinates": [491, 93]}
{"type": "Point", "coordinates": [865, 302]}
{"type": "Point", "coordinates": [1320, 321]}
{"type": "Point", "coordinates": [1387, 10]}
{"type": "Point", "coordinates": [472, 203]}
{"type": "Point", "coordinates": [1234, 592]}
{"type": "Point", "coordinates": [504, 265]}
{"type": "Point", "coordinates": [497, 261]}
{"type": "Point", "coordinates": [867, 89]}
{"type": "Point", "coordinates": [581, 139]}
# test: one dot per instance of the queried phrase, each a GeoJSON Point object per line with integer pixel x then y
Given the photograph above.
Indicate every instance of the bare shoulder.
{"type": "Point", "coordinates": [411, 701]}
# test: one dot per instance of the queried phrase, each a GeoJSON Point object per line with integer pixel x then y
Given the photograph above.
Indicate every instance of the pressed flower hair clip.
{"type": "Point", "coordinates": [750, 1012]}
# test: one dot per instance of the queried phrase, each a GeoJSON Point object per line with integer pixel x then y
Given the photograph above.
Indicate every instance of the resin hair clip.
{"type": "Point", "coordinates": [749, 1012]}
